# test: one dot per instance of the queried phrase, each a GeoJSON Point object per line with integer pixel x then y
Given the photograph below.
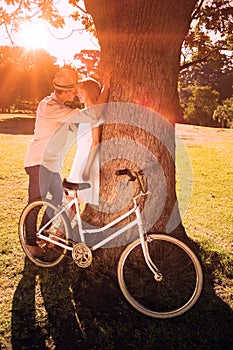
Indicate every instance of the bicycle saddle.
{"type": "Point", "coordinates": [69, 185]}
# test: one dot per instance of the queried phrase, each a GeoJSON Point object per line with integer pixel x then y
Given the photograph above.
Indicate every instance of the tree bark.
{"type": "Point", "coordinates": [141, 42]}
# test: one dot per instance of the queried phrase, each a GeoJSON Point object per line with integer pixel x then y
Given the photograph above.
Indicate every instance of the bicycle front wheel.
{"type": "Point", "coordinates": [36, 215]}
{"type": "Point", "coordinates": [181, 283]}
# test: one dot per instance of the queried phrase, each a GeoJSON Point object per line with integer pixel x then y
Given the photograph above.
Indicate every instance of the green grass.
{"type": "Point", "coordinates": [209, 220]}
{"type": "Point", "coordinates": [13, 189]}
{"type": "Point", "coordinates": [40, 309]}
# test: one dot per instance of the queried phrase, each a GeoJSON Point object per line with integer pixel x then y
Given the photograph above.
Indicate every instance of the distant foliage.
{"type": "Point", "coordinates": [199, 104]}
{"type": "Point", "coordinates": [224, 113]}
{"type": "Point", "coordinates": [216, 73]}
{"type": "Point", "coordinates": [88, 62]}
{"type": "Point", "coordinates": [26, 77]}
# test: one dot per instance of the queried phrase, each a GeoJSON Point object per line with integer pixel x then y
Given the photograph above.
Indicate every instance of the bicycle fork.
{"type": "Point", "coordinates": [145, 239]}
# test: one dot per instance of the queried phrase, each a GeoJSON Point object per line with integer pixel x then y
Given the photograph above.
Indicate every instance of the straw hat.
{"type": "Point", "coordinates": [65, 79]}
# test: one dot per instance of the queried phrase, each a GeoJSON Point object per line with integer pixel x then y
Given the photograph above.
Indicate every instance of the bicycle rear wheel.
{"type": "Point", "coordinates": [180, 286]}
{"type": "Point", "coordinates": [59, 227]}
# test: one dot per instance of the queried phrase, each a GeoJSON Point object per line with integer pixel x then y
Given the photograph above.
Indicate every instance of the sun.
{"type": "Point", "coordinates": [34, 36]}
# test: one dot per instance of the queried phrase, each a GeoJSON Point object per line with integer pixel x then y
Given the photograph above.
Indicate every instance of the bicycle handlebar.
{"type": "Point", "coordinates": [132, 177]}
{"type": "Point", "coordinates": [126, 172]}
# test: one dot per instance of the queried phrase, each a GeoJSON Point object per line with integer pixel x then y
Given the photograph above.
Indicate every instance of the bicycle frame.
{"type": "Point", "coordinates": [135, 222]}
{"type": "Point", "coordinates": [111, 224]}
{"type": "Point", "coordinates": [82, 231]}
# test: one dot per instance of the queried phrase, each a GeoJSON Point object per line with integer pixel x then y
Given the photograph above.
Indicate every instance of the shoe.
{"type": "Point", "coordinates": [36, 250]}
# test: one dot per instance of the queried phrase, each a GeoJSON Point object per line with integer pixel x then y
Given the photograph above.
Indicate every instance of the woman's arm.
{"type": "Point", "coordinates": [104, 96]}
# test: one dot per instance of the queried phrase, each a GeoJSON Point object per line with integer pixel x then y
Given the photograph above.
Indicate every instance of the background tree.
{"type": "Point", "coordinates": [199, 103]}
{"type": "Point", "coordinates": [206, 52]}
{"type": "Point", "coordinates": [210, 33]}
{"type": "Point", "coordinates": [220, 114]}
{"type": "Point", "coordinates": [223, 114]}
{"type": "Point", "coordinates": [26, 77]}
{"type": "Point", "coordinates": [216, 73]}
{"type": "Point", "coordinates": [89, 62]}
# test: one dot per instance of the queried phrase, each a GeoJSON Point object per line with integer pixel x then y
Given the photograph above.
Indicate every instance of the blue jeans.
{"type": "Point", "coordinates": [41, 182]}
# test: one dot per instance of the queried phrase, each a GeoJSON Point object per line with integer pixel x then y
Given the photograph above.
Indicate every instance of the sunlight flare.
{"type": "Point", "coordinates": [34, 36]}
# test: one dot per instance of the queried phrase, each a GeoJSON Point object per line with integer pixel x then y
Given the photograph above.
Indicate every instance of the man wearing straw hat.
{"type": "Point", "coordinates": [43, 159]}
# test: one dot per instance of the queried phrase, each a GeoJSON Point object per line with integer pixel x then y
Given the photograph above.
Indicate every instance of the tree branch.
{"type": "Point", "coordinates": [195, 13]}
{"type": "Point", "coordinates": [203, 59]}
{"type": "Point", "coordinates": [75, 3]}
{"type": "Point", "coordinates": [9, 35]}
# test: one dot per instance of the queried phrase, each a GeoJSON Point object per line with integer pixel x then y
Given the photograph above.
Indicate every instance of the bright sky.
{"type": "Point", "coordinates": [60, 43]}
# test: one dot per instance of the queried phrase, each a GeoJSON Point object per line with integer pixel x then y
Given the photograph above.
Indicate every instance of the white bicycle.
{"type": "Point", "coordinates": [159, 275]}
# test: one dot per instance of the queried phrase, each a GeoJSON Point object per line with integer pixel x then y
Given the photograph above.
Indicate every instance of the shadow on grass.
{"type": "Point", "coordinates": [17, 126]}
{"type": "Point", "coordinates": [84, 309]}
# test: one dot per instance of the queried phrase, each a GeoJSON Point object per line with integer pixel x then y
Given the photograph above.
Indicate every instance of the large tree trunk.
{"type": "Point", "coordinates": [141, 42]}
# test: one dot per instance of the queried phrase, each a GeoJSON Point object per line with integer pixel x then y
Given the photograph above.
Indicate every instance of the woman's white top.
{"type": "Point", "coordinates": [84, 142]}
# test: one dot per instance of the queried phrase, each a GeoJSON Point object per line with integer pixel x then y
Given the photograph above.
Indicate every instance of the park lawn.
{"type": "Point", "coordinates": [210, 212]}
{"type": "Point", "coordinates": [13, 192]}
{"type": "Point", "coordinates": [207, 218]}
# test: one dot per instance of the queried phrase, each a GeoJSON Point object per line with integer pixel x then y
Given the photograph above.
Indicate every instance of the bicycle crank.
{"type": "Point", "coordinates": [82, 255]}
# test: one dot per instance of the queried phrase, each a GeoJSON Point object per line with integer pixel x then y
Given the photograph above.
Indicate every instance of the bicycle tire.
{"type": "Point", "coordinates": [52, 255]}
{"type": "Point", "coordinates": [182, 281]}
